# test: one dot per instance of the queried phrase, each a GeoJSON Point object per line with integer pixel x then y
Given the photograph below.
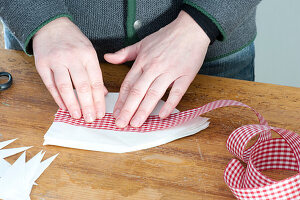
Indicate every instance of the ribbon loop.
{"type": "Point", "coordinates": [266, 153]}
{"type": "Point", "coordinates": [238, 139]}
{"type": "Point", "coordinates": [286, 189]}
{"type": "Point", "coordinates": [293, 140]}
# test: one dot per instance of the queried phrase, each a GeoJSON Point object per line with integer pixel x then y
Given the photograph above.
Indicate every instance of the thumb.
{"type": "Point", "coordinates": [126, 54]}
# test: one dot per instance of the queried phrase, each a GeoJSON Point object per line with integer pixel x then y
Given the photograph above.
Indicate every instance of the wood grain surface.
{"type": "Point", "coordinates": [189, 168]}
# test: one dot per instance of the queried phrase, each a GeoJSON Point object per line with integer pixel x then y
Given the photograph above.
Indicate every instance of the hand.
{"type": "Point", "coordinates": [64, 55]}
{"type": "Point", "coordinates": [172, 55]}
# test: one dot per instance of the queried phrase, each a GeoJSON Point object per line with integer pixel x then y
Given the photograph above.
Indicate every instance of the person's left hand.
{"type": "Point", "coordinates": [172, 55]}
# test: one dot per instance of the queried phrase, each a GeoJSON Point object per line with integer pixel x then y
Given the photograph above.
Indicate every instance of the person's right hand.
{"type": "Point", "coordinates": [64, 55]}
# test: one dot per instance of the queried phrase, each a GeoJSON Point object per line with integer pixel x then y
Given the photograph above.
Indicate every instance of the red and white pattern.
{"type": "Point", "coordinates": [267, 153]}
{"type": "Point", "coordinates": [153, 123]}
{"type": "Point", "coordinates": [278, 153]}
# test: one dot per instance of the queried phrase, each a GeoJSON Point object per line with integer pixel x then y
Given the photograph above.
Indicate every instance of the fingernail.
{"type": "Point", "coordinates": [105, 91]}
{"type": "Point", "coordinates": [76, 114]}
{"type": "Point", "coordinates": [136, 122]}
{"type": "Point", "coordinates": [89, 118]}
{"type": "Point", "coordinates": [100, 115]}
{"type": "Point", "coordinates": [121, 123]}
{"type": "Point", "coordinates": [163, 114]}
{"type": "Point", "coordinates": [63, 107]}
{"type": "Point", "coordinates": [116, 113]}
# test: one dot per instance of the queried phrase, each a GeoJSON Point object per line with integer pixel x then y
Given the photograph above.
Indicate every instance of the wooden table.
{"type": "Point", "coordinates": [189, 168]}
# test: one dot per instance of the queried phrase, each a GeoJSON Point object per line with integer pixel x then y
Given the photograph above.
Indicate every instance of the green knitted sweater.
{"type": "Point", "coordinates": [114, 24]}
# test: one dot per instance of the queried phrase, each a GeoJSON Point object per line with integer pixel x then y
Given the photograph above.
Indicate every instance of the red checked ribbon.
{"type": "Point", "coordinates": [267, 153]}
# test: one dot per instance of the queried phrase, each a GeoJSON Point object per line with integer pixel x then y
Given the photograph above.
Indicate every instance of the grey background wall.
{"type": "Point", "coordinates": [278, 42]}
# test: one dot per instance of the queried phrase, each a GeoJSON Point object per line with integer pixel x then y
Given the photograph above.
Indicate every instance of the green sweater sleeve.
{"type": "Point", "coordinates": [226, 14]}
{"type": "Point", "coordinates": [25, 17]}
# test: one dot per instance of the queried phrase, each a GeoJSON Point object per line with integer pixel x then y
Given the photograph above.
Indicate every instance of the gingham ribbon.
{"type": "Point", "coordinates": [153, 123]}
{"type": "Point", "coordinates": [267, 153]}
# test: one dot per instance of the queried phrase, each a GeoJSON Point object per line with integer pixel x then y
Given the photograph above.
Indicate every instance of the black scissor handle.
{"type": "Point", "coordinates": [6, 85]}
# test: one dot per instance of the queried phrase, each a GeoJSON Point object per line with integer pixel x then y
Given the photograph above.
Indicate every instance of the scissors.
{"type": "Point", "coordinates": [6, 85]}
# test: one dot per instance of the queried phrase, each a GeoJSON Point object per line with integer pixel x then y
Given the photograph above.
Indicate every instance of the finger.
{"type": "Point", "coordinates": [48, 79]}
{"type": "Point", "coordinates": [126, 54]}
{"type": "Point", "coordinates": [153, 95]}
{"type": "Point", "coordinates": [179, 88]}
{"type": "Point", "coordinates": [83, 88]}
{"type": "Point", "coordinates": [64, 86]}
{"type": "Point", "coordinates": [132, 76]}
{"type": "Point", "coordinates": [134, 98]}
{"type": "Point", "coordinates": [97, 86]}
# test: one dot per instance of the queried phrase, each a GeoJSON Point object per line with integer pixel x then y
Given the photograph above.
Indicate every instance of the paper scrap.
{"type": "Point", "coordinates": [17, 180]}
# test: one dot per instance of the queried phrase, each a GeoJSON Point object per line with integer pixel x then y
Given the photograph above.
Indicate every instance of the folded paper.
{"type": "Point", "coordinates": [16, 180]}
{"type": "Point", "coordinates": [103, 135]}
